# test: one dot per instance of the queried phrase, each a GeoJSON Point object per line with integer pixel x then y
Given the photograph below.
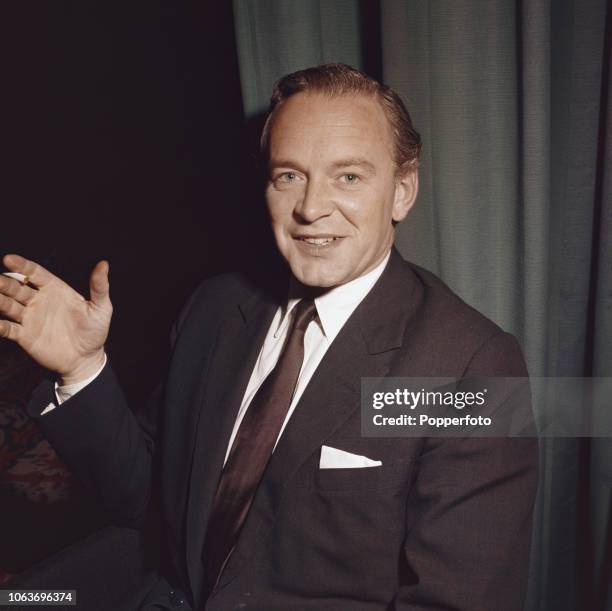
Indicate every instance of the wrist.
{"type": "Point", "coordinates": [83, 370]}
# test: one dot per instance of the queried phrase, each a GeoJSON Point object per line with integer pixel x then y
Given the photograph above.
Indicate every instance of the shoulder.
{"type": "Point", "coordinates": [454, 330]}
{"type": "Point", "coordinates": [232, 286]}
{"type": "Point", "coordinates": [218, 293]}
{"type": "Point", "coordinates": [449, 310]}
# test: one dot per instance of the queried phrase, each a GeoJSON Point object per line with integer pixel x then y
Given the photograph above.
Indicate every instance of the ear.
{"type": "Point", "coordinates": [406, 191]}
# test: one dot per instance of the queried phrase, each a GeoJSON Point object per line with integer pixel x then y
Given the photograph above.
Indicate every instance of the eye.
{"type": "Point", "coordinates": [350, 179]}
{"type": "Point", "coordinates": [287, 177]}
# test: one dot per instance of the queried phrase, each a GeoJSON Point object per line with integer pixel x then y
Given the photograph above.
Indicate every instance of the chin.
{"type": "Point", "coordinates": [317, 282]}
{"type": "Point", "coordinates": [315, 276]}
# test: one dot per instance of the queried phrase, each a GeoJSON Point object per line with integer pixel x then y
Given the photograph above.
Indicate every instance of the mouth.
{"type": "Point", "coordinates": [319, 240]}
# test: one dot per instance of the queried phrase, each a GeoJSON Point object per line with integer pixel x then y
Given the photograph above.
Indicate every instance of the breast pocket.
{"type": "Point", "coordinates": [362, 479]}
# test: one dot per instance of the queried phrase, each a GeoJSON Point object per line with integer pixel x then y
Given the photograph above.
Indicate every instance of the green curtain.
{"type": "Point", "coordinates": [277, 37]}
{"type": "Point", "coordinates": [515, 203]}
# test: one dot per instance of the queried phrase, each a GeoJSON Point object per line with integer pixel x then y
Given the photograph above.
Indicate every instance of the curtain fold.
{"type": "Point", "coordinates": [601, 449]}
{"type": "Point", "coordinates": [469, 170]}
{"type": "Point", "coordinates": [275, 37]}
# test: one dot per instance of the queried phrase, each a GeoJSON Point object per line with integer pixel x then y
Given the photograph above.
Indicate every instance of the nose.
{"type": "Point", "coordinates": [315, 203]}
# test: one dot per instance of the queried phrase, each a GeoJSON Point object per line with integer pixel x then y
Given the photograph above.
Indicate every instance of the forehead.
{"type": "Point", "coordinates": [331, 124]}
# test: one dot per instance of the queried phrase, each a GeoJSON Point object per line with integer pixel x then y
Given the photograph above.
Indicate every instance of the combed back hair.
{"type": "Point", "coordinates": [336, 80]}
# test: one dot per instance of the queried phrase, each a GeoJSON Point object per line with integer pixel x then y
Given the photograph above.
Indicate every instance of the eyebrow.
{"type": "Point", "coordinates": [284, 163]}
{"type": "Point", "coordinates": [353, 162]}
{"type": "Point", "coordinates": [341, 163]}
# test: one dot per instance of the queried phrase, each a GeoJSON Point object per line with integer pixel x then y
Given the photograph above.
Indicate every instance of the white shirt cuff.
{"type": "Point", "coordinates": [63, 393]}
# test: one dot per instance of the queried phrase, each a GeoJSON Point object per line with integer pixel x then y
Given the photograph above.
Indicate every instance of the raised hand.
{"type": "Point", "coordinates": [55, 325]}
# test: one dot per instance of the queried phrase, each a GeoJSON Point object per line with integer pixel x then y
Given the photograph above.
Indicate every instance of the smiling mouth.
{"type": "Point", "coordinates": [321, 241]}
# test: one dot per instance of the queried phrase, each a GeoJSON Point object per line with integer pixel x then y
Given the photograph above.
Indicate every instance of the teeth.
{"type": "Point", "coordinates": [318, 241]}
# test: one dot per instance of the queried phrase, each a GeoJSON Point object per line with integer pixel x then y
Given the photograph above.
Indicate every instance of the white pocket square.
{"type": "Point", "coordinates": [332, 458]}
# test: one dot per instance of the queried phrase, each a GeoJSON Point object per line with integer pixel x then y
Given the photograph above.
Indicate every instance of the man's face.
{"type": "Point", "coordinates": [332, 190]}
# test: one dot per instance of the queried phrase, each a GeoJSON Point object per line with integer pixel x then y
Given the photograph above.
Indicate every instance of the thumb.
{"type": "Point", "coordinates": [99, 285]}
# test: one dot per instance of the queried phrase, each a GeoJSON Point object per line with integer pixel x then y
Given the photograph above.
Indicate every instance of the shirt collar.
{"type": "Point", "coordinates": [335, 306]}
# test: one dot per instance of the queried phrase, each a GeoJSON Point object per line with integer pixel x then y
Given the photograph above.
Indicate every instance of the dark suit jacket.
{"type": "Point", "coordinates": [443, 524]}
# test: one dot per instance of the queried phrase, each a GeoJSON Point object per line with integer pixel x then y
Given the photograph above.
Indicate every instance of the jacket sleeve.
{"type": "Point", "coordinates": [469, 511]}
{"type": "Point", "coordinates": [108, 447]}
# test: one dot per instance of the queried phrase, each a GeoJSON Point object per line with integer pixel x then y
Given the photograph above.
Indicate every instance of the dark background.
{"type": "Point", "coordinates": [125, 140]}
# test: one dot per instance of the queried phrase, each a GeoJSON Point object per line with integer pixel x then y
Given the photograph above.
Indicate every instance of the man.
{"type": "Point", "coordinates": [271, 499]}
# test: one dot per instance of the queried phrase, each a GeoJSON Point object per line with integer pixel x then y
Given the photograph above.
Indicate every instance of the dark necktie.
{"type": "Point", "coordinates": [253, 447]}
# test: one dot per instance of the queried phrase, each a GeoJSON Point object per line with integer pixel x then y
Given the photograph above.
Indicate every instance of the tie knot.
{"type": "Point", "coordinates": [305, 313]}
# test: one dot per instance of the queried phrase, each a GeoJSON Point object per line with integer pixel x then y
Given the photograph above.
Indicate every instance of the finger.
{"type": "Point", "coordinates": [99, 285]}
{"type": "Point", "coordinates": [13, 288]}
{"type": "Point", "coordinates": [37, 274]}
{"type": "Point", "coordinates": [9, 307]}
{"type": "Point", "coordinates": [10, 330]}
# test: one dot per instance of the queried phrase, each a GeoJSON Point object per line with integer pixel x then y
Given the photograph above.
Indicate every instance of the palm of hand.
{"type": "Point", "coordinates": [61, 328]}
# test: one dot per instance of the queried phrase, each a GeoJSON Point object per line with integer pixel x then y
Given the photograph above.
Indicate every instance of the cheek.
{"type": "Point", "coordinates": [276, 209]}
{"type": "Point", "coordinates": [280, 205]}
{"type": "Point", "coordinates": [353, 204]}
{"type": "Point", "coordinates": [364, 210]}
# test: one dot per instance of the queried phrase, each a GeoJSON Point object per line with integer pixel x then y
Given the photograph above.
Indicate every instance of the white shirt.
{"type": "Point", "coordinates": [333, 308]}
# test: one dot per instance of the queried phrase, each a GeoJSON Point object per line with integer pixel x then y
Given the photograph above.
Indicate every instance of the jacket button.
{"type": "Point", "coordinates": [175, 598]}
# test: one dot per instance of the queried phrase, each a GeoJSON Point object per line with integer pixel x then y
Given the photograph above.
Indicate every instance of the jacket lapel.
{"type": "Point", "coordinates": [239, 341]}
